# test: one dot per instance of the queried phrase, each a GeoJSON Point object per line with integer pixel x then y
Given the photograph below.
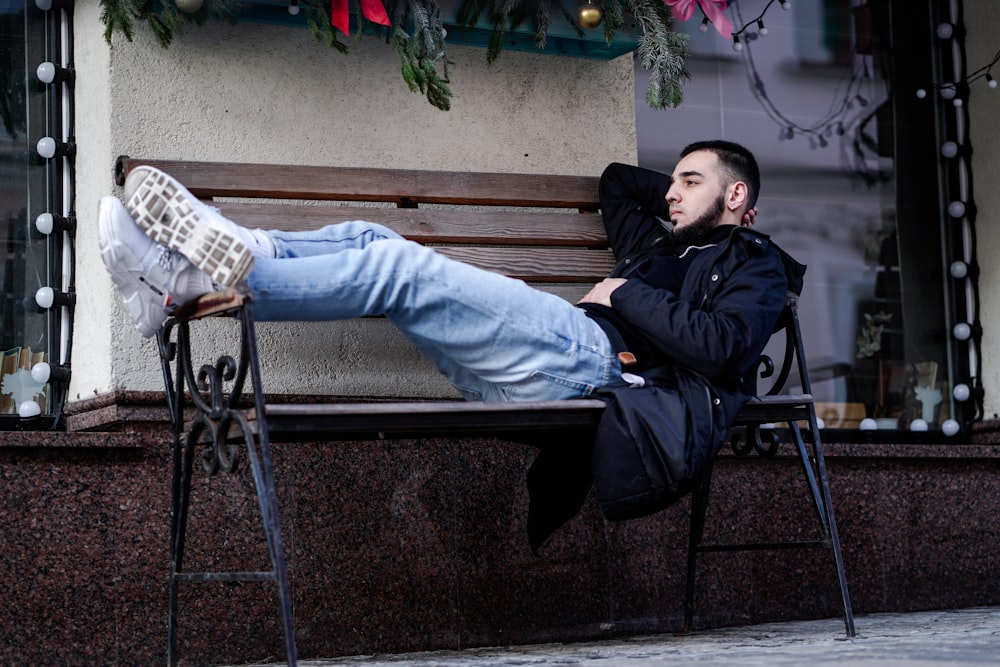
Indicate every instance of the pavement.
{"type": "Point", "coordinates": [922, 639]}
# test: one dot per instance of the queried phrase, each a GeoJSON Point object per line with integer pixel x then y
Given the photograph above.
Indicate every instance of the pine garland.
{"type": "Point", "coordinates": [119, 15]}
{"type": "Point", "coordinates": [661, 51]}
{"type": "Point", "coordinates": [421, 47]}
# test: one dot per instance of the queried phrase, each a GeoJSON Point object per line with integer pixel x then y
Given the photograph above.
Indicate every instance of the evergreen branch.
{"type": "Point", "coordinates": [318, 20]}
{"type": "Point", "coordinates": [118, 16]}
{"type": "Point", "coordinates": [543, 20]}
{"type": "Point", "coordinates": [661, 51]}
{"type": "Point", "coordinates": [469, 11]}
{"type": "Point", "coordinates": [419, 70]}
{"type": "Point", "coordinates": [614, 19]}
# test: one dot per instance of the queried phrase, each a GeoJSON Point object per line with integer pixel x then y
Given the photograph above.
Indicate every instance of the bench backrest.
{"type": "Point", "coordinates": [543, 229]}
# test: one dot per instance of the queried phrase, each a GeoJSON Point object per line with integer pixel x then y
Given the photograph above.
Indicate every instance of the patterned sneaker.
{"type": "Point", "coordinates": [168, 213]}
{"type": "Point", "coordinates": [146, 273]}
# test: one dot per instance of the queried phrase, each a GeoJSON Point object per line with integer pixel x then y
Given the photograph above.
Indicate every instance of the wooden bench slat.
{"type": "Point", "coordinates": [401, 186]}
{"type": "Point", "coordinates": [487, 227]}
{"type": "Point", "coordinates": [557, 265]}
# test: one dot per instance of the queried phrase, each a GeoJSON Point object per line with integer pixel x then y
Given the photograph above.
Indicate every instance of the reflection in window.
{"type": "Point", "coordinates": [853, 186]}
{"type": "Point", "coordinates": [35, 200]}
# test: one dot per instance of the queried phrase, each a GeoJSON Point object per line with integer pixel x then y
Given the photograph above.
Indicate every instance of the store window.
{"type": "Point", "coordinates": [36, 198]}
{"type": "Point", "coordinates": [854, 110]}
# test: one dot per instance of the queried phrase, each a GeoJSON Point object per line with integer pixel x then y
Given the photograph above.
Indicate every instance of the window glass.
{"type": "Point", "coordinates": [30, 186]}
{"type": "Point", "coordinates": [826, 97]}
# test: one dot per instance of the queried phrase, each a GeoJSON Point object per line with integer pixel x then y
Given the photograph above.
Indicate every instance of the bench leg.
{"type": "Point", "coordinates": [814, 469]}
{"type": "Point", "coordinates": [263, 475]}
{"type": "Point", "coordinates": [824, 505]}
{"type": "Point", "coordinates": [210, 432]}
{"type": "Point", "coordinates": [181, 493]}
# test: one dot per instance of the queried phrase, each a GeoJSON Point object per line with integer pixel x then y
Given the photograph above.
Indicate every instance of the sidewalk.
{"type": "Point", "coordinates": [932, 639]}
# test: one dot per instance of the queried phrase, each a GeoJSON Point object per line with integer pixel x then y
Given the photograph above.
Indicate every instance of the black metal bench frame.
{"type": "Point", "coordinates": [544, 229]}
{"type": "Point", "coordinates": [231, 414]}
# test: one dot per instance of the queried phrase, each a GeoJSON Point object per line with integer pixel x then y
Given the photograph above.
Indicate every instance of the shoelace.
{"type": "Point", "coordinates": [166, 258]}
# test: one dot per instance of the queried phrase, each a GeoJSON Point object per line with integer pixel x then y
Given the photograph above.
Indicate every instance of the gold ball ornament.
{"type": "Point", "coordinates": [590, 16]}
{"type": "Point", "coordinates": [189, 6]}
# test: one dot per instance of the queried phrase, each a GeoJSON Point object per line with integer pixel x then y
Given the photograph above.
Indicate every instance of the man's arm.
{"type": "Point", "coordinates": [724, 339]}
{"type": "Point", "coordinates": [633, 200]}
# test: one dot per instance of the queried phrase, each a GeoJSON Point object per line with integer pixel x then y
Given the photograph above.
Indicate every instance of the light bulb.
{"type": "Point", "coordinates": [945, 31]}
{"type": "Point", "coordinates": [28, 409]}
{"type": "Point", "coordinates": [49, 148]}
{"type": "Point", "coordinates": [868, 424]}
{"type": "Point", "coordinates": [949, 149]}
{"type": "Point", "coordinates": [44, 5]}
{"type": "Point", "coordinates": [45, 297]}
{"type": "Point", "coordinates": [956, 209]}
{"type": "Point", "coordinates": [293, 7]}
{"type": "Point", "coordinates": [921, 93]}
{"type": "Point", "coordinates": [918, 425]}
{"type": "Point", "coordinates": [962, 331]}
{"type": "Point", "coordinates": [950, 427]}
{"type": "Point", "coordinates": [47, 223]}
{"type": "Point", "coordinates": [948, 92]}
{"type": "Point", "coordinates": [49, 72]}
{"type": "Point", "coordinates": [46, 72]}
{"type": "Point", "coordinates": [44, 223]}
{"type": "Point", "coordinates": [958, 269]}
{"type": "Point", "coordinates": [41, 372]}
{"type": "Point", "coordinates": [44, 373]}
{"type": "Point", "coordinates": [961, 392]}
{"type": "Point", "coordinates": [46, 147]}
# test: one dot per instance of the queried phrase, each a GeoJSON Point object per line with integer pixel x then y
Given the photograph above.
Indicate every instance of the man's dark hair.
{"type": "Point", "coordinates": [738, 164]}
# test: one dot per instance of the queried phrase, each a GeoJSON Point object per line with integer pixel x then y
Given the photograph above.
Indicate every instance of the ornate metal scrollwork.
{"type": "Point", "coordinates": [751, 439]}
{"type": "Point", "coordinates": [221, 418]}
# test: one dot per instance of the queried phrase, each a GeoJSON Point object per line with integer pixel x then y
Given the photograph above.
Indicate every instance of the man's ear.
{"type": "Point", "coordinates": [737, 195]}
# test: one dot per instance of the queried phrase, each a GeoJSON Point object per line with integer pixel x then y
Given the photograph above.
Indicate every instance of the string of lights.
{"type": "Point", "coordinates": [849, 114]}
{"type": "Point", "coordinates": [958, 216]}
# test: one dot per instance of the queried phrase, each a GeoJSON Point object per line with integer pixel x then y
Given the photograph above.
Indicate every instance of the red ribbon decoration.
{"type": "Point", "coordinates": [373, 10]}
{"type": "Point", "coordinates": [683, 10]}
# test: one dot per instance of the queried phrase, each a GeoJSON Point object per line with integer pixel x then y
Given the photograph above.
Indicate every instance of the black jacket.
{"type": "Point", "coordinates": [714, 328]}
{"type": "Point", "coordinates": [710, 332]}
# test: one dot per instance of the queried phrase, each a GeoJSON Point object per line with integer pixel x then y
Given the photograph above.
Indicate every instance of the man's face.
{"type": "Point", "coordinates": [696, 192]}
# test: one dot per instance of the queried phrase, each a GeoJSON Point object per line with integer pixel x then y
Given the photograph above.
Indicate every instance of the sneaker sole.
{"type": "Point", "coordinates": [167, 213]}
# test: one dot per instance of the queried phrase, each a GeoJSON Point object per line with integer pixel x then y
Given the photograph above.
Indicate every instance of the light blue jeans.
{"type": "Point", "coordinates": [494, 338]}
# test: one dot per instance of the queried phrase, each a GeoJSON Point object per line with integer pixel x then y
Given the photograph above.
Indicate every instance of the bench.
{"type": "Point", "coordinates": [543, 229]}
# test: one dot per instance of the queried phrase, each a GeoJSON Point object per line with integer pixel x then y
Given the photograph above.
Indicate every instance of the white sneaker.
{"type": "Point", "coordinates": [168, 213]}
{"type": "Point", "coordinates": [151, 278]}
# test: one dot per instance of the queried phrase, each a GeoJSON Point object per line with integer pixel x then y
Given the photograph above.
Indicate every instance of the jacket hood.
{"type": "Point", "coordinates": [794, 270]}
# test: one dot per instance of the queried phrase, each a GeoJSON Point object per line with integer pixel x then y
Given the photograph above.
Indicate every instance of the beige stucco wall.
{"type": "Point", "coordinates": [256, 93]}
{"type": "Point", "coordinates": [983, 24]}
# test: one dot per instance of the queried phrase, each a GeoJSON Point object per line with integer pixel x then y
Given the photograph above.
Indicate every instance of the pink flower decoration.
{"type": "Point", "coordinates": [683, 10]}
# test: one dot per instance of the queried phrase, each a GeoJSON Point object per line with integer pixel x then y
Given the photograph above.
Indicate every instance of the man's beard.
{"type": "Point", "coordinates": [702, 228]}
